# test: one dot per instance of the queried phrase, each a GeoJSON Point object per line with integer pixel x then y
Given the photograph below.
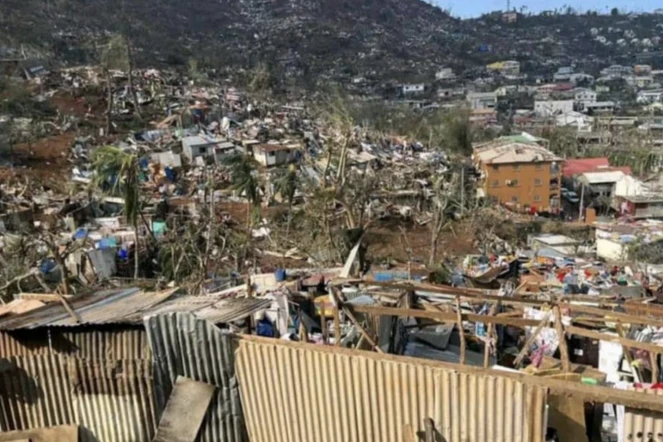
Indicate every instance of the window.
{"type": "Point", "coordinates": [496, 183]}
{"type": "Point", "coordinates": [202, 150]}
{"type": "Point", "coordinates": [537, 198]}
{"type": "Point", "coordinates": [514, 199]}
{"type": "Point", "coordinates": [271, 153]}
{"type": "Point", "coordinates": [512, 183]}
{"type": "Point", "coordinates": [496, 167]}
{"type": "Point", "coordinates": [539, 166]}
{"type": "Point", "coordinates": [516, 167]}
{"type": "Point", "coordinates": [537, 182]}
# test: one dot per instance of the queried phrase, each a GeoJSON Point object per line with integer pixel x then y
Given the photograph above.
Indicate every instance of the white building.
{"type": "Point", "coordinates": [600, 107]}
{"type": "Point", "coordinates": [617, 71]}
{"type": "Point", "coordinates": [549, 108]}
{"type": "Point", "coordinates": [482, 100]}
{"type": "Point", "coordinates": [200, 146]}
{"type": "Point", "coordinates": [445, 74]}
{"type": "Point", "coordinates": [274, 154]}
{"type": "Point", "coordinates": [581, 122]}
{"type": "Point", "coordinates": [649, 97]}
{"type": "Point", "coordinates": [413, 88]}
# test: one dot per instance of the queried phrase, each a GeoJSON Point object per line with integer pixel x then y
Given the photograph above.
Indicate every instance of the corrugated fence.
{"type": "Point", "coordinates": [183, 345]}
{"type": "Point", "coordinates": [295, 392]}
{"type": "Point", "coordinates": [643, 425]}
{"type": "Point", "coordinates": [111, 400]}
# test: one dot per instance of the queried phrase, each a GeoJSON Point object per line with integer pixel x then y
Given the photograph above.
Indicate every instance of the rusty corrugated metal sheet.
{"type": "Point", "coordinates": [34, 393]}
{"type": "Point", "coordinates": [106, 343]}
{"type": "Point", "coordinates": [112, 401]}
{"type": "Point", "coordinates": [295, 392]}
{"type": "Point", "coordinates": [183, 345]}
{"type": "Point", "coordinates": [24, 343]}
{"type": "Point", "coordinates": [643, 425]}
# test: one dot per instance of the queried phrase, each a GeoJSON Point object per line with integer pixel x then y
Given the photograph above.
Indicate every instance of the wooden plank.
{"type": "Point", "coordinates": [444, 316]}
{"type": "Point", "coordinates": [429, 428]}
{"type": "Point", "coordinates": [531, 339]}
{"type": "Point", "coordinates": [637, 376]}
{"type": "Point", "coordinates": [363, 332]}
{"type": "Point", "coordinates": [653, 357]}
{"type": "Point", "coordinates": [563, 349]}
{"type": "Point", "coordinates": [337, 317]}
{"type": "Point", "coordinates": [489, 336]}
{"type": "Point", "coordinates": [185, 411]}
{"type": "Point", "coordinates": [408, 433]}
{"type": "Point", "coordinates": [461, 331]}
{"type": "Point", "coordinates": [609, 338]}
{"type": "Point", "coordinates": [612, 316]}
{"type": "Point", "coordinates": [43, 297]}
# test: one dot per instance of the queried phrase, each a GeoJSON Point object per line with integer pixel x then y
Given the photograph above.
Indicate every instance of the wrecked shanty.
{"type": "Point", "coordinates": [392, 360]}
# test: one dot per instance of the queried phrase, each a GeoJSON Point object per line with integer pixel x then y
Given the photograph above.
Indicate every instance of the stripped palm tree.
{"type": "Point", "coordinates": [245, 181]}
{"type": "Point", "coordinates": [287, 184]}
{"type": "Point", "coordinates": [117, 174]}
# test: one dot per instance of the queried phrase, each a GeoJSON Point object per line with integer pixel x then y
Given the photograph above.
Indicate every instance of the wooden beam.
{"type": "Point", "coordinates": [531, 339]}
{"type": "Point", "coordinates": [610, 338]}
{"type": "Point", "coordinates": [489, 336]}
{"type": "Point", "coordinates": [610, 315]}
{"type": "Point", "coordinates": [563, 349]}
{"type": "Point", "coordinates": [361, 329]}
{"type": "Point", "coordinates": [637, 376]}
{"type": "Point", "coordinates": [653, 358]}
{"type": "Point", "coordinates": [337, 317]}
{"type": "Point", "coordinates": [444, 316]}
{"type": "Point", "coordinates": [459, 322]}
{"type": "Point", "coordinates": [429, 429]}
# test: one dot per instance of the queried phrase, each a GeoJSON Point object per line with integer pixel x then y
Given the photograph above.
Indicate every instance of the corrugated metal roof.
{"type": "Point", "coordinates": [301, 393]}
{"type": "Point", "coordinates": [183, 345]}
{"type": "Point", "coordinates": [505, 152]}
{"type": "Point", "coordinates": [129, 306]}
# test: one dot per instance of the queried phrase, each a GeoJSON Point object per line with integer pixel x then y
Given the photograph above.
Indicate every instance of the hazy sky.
{"type": "Point", "coordinates": [475, 8]}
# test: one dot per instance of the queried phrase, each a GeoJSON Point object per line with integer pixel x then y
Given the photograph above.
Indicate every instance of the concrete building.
{"type": "Point", "coordinates": [519, 174]}
{"type": "Point", "coordinates": [409, 89]}
{"type": "Point", "coordinates": [649, 97]}
{"type": "Point", "coordinates": [199, 146]}
{"type": "Point", "coordinates": [600, 107]}
{"type": "Point", "coordinates": [549, 108]}
{"type": "Point", "coordinates": [445, 74]}
{"type": "Point", "coordinates": [274, 154]}
{"type": "Point", "coordinates": [482, 100]}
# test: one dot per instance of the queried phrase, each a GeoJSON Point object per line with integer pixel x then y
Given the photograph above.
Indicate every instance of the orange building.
{"type": "Point", "coordinates": [520, 175]}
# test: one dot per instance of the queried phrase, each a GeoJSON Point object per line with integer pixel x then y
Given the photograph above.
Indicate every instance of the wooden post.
{"type": "Point", "coordinates": [489, 336]}
{"type": "Point", "coordinates": [654, 367]}
{"type": "Point", "coordinates": [337, 317]}
{"type": "Point", "coordinates": [637, 376]}
{"type": "Point", "coordinates": [563, 349]}
{"type": "Point", "coordinates": [459, 321]}
{"type": "Point", "coordinates": [323, 327]}
{"type": "Point", "coordinates": [429, 427]}
{"type": "Point", "coordinates": [531, 339]}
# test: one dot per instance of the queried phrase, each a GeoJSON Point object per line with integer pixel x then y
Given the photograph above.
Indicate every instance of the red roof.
{"type": "Point", "coordinates": [578, 166]}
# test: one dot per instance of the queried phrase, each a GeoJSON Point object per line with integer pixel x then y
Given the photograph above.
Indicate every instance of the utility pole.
{"type": "Point", "coordinates": [462, 189]}
{"type": "Point", "coordinates": [581, 214]}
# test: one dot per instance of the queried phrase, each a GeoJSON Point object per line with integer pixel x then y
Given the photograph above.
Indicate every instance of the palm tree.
{"type": "Point", "coordinates": [117, 173]}
{"type": "Point", "coordinates": [287, 184]}
{"type": "Point", "coordinates": [245, 180]}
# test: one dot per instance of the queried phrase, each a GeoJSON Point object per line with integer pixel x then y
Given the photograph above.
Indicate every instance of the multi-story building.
{"type": "Point", "coordinates": [523, 175]}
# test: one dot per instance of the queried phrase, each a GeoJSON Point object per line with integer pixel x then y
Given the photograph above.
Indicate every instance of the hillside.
{"type": "Point", "coordinates": [310, 40]}
{"type": "Point", "coordinates": [303, 37]}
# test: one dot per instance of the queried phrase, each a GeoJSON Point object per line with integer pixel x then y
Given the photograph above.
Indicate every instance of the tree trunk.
{"type": "Point", "coordinates": [109, 99]}
{"type": "Point", "coordinates": [132, 89]}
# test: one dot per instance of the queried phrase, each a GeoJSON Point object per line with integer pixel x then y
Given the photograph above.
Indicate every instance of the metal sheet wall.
{"type": "Point", "coordinates": [35, 393]}
{"type": "Point", "coordinates": [186, 346]}
{"type": "Point", "coordinates": [111, 400]}
{"type": "Point", "coordinates": [110, 343]}
{"type": "Point", "coordinates": [643, 425]}
{"type": "Point", "coordinates": [302, 393]}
